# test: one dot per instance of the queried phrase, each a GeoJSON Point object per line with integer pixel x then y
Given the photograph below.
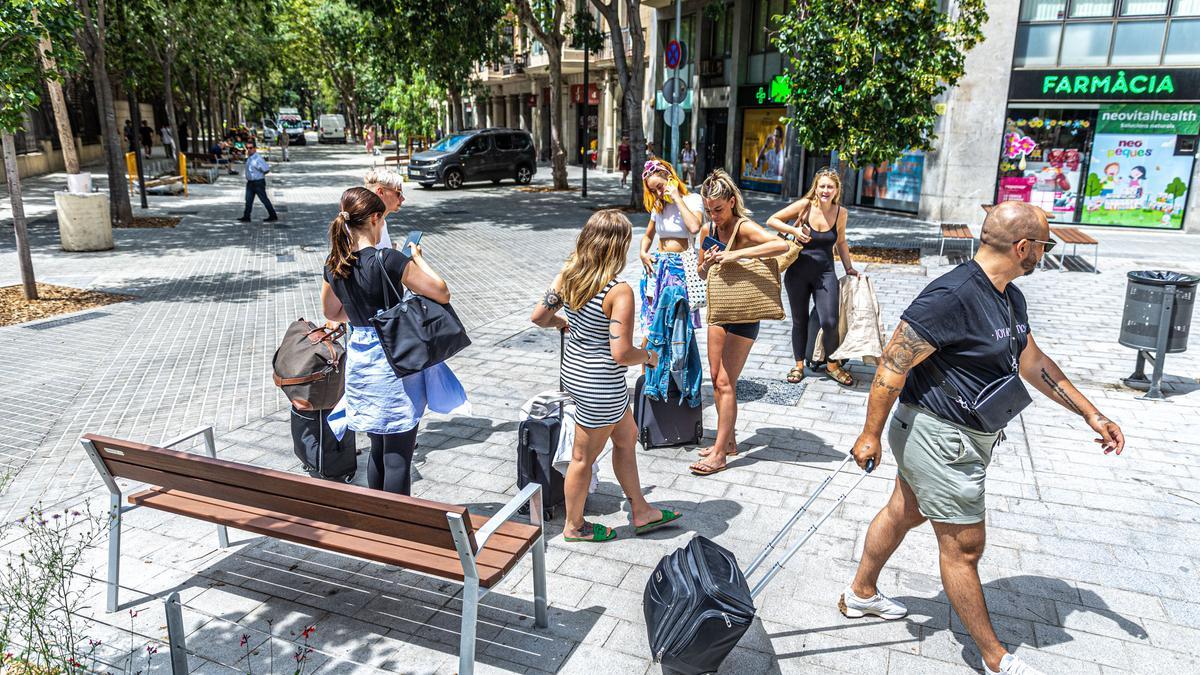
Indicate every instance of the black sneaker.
{"type": "Point", "coordinates": [271, 219]}
{"type": "Point", "coordinates": [243, 220]}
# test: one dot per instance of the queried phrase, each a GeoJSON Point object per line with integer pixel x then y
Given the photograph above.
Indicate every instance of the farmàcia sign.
{"type": "Point", "coordinates": [1158, 84]}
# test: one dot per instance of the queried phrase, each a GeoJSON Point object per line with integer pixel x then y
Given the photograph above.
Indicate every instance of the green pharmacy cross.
{"type": "Point", "coordinates": [780, 90]}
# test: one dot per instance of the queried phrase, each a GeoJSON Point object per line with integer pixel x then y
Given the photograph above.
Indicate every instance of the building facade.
{"type": "Point", "coordinates": [515, 93]}
{"type": "Point", "coordinates": [1087, 108]}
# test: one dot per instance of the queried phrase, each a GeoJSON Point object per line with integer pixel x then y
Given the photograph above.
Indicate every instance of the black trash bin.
{"type": "Point", "coordinates": [1145, 296]}
{"type": "Point", "coordinates": [1156, 322]}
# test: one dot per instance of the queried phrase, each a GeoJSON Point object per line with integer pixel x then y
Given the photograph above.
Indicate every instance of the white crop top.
{"type": "Point", "coordinates": [669, 224]}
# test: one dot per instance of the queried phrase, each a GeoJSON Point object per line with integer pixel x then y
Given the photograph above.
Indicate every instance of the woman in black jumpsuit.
{"type": "Point", "coordinates": [818, 223]}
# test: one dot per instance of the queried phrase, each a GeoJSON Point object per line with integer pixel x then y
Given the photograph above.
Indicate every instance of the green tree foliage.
{"type": "Point", "coordinates": [865, 76]}
{"type": "Point", "coordinates": [1094, 186]}
{"type": "Point", "coordinates": [1176, 188]}
{"type": "Point", "coordinates": [20, 32]}
{"type": "Point", "coordinates": [412, 107]}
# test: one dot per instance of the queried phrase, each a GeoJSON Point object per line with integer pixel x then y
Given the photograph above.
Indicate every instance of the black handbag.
{"type": "Point", "coordinates": [416, 333]}
{"type": "Point", "coordinates": [1001, 401]}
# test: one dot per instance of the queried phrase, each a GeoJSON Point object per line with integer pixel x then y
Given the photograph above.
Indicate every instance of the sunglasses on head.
{"type": "Point", "coordinates": [1049, 245]}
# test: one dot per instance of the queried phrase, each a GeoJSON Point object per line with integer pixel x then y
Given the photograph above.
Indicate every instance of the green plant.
{"type": "Point", "coordinates": [1176, 188]}
{"type": "Point", "coordinates": [866, 75]}
{"type": "Point", "coordinates": [1094, 186]}
{"type": "Point", "coordinates": [40, 592]}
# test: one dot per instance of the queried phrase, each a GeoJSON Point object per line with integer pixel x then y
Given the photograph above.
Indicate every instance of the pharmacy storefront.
{"type": "Point", "coordinates": [1102, 146]}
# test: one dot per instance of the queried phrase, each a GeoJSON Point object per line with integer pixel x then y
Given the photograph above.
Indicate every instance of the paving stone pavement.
{"type": "Point", "coordinates": [1090, 563]}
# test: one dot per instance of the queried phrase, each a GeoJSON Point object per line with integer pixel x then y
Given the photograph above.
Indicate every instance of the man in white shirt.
{"type": "Point", "coordinates": [389, 185]}
{"type": "Point", "coordinates": [167, 140]}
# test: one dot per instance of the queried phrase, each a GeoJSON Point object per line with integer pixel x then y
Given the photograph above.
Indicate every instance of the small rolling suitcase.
{"type": "Point", "coordinates": [664, 424]}
{"type": "Point", "coordinates": [321, 453]}
{"type": "Point", "coordinates": [698, 603]}
{"type": "Point", "coordinates": [537, 444]}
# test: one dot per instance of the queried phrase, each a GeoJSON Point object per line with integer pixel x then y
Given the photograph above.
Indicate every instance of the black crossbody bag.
{"type": "Point", "coordinates": [999, 402]}
{"type": "Point", "coordinates": [416, 333]}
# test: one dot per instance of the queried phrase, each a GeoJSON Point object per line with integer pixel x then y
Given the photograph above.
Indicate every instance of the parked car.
{"type": "Point", "coordinates": [270, 131]}
{"type": "Point", "coordinates": [475, 155]}
{"type": "Point", "coordinates": [331, 129]}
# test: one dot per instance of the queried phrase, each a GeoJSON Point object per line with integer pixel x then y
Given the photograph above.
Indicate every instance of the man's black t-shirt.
{"type": "Point", "coordinates": [361, 293]}
{"type": "Point", "coordinates": [966, 319]}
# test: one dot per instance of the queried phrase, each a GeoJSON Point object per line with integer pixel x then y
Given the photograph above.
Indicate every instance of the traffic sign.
{"type": "Point", "coordinates": [674, 90]}
{"type": "Point", "coordinates": [674, 54]}
{"type": "Point", "coordinates": [673, 116]}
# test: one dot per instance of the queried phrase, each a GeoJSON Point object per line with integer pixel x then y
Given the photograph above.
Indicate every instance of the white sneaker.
{"type": "Point", "coordinates": [854, 607]}
{"type": "Point", "coordinates": [1013, 666]}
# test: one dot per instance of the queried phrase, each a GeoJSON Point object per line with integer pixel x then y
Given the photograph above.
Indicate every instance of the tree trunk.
{"type": "Point", "coordinates": [558, 156]}
{"type": "Point", "coordinates": [61, 120]}
{"type": "Point", "coordinates": [456, 110]}
{"type": "Point", "coordinates": [169, 101]}
{"type": "Point", "coordinates": [632, 79]}
{"type": "Point", "coordinates": [18, 210]}
{"type": "Point", "coordinates": [91, 37]}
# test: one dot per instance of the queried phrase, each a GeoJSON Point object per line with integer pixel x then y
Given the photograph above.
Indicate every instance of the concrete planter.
{"type": "Point", "coordinates": [83, 221]}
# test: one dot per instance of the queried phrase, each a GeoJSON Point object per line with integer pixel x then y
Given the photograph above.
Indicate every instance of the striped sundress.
{"type": "Point", "coordinates": [590, 376]}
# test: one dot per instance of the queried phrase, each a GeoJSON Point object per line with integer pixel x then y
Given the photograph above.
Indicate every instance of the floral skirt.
{"type": "Point", "coordinates": [668, 271]}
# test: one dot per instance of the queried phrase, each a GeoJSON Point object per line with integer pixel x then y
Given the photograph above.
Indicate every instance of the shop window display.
{"type": "Point", "coordinates": [1042, 159]}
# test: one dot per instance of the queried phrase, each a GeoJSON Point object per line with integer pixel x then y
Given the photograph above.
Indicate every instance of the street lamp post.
{"type": "Point", "coordinates": [589, 39]}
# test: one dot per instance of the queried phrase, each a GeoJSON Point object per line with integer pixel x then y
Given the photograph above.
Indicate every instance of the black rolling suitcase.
{"type": "Point", "coordinates": [537, 443]}
{"type": "Point", "coordinates": [698, 603]}
{"type": "Point", "coordinates": [321, 453]}
{"type": "Point", "coordinates": [664, 424]}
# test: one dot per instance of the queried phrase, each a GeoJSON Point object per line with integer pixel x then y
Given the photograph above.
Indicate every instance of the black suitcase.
{"type": "Point", "coordinates": [322, 455]}
{"type": "Point", "coordinates": [664, 424]}
{"type": "Point", "coordinates": [698, 603]}
{"type": "Point", "coordinates": [537, 442]}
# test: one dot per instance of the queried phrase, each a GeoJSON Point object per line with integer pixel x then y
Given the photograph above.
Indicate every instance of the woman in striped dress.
{"type": "Point", "coordinates": [599, 324]}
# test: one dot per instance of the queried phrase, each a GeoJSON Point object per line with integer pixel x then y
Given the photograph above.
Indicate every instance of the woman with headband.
{"type": "Point", "coordinates": [675, 217]}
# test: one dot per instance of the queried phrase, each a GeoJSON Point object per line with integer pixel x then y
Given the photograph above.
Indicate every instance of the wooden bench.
{"type": "Point", "coordinates": [958, 232]}
{"type": "Point", "coordinates": [1075, 237]}
{"type": "Point", "coordinates": [442, 540]}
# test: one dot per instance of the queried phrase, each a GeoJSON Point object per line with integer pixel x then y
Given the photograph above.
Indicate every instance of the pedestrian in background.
{"type": "Point", "coordinates": [256, 184]}
{"type": "Point", "coordinates": [129, 134]}
{"type": "Point", "coordinates": [167, 140]}
{"type": "Point", "coordinates": [687, 163]}
{"type": "Point", "coordinates": [965, 333]}
{"type": "Point", "coordinates": [388, 186]}
{"type": "Point", "coordinates": [817, 222]}
{"type": "Point", "coordinates": [284, 141]}
{"type": "Point", "coordinates": [728, 344]}
{"type": "Point", "coordinates": [147, 138]}
{"type": "Point", "coordinates": [624, 153]}
{"type": "Point", "coordinates": [599, 328]}
{"type": "Point", "coordinates": [377, 402]}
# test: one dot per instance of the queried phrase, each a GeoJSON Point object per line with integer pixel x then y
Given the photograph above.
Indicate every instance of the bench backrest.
{"type": "Point", "coordinates": [416, 520]}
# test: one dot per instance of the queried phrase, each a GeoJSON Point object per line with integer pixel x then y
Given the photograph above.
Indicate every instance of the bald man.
{"type": "Point", "coordinates": [967, 330]}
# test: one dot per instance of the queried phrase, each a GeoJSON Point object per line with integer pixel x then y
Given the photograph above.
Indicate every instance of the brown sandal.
{"type": "Point", "coordinates": [795, 375]}
{"type": "Point", "coordinates": [840, 376]}
{"type": "Point", "coordinates": [699, 469]}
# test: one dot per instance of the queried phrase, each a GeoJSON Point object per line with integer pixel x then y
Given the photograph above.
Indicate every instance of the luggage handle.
{"type": "Point", "coordinates": [779, 564]}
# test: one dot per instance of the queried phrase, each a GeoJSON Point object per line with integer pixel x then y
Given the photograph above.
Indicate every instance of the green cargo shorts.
{"type": "Point", "coordinates": [945, 464]}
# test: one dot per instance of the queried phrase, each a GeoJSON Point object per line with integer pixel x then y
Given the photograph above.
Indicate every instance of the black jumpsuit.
{"type": "Point", "coordinates": [813, 276]}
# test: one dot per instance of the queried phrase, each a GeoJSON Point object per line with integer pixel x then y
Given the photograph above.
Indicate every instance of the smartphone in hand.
{"type": "Point", "coordinates": [414, 237]}
{"type": "Point", "coordinates": [710, 242]}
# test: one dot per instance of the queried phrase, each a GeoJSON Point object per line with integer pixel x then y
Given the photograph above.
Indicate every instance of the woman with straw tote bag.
{"type": "Point", "coordinates": [743, 289]}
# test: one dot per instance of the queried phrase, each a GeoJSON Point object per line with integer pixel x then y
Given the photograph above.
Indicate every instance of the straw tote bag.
{"type": "Point", "coordinates": [794, 248]}
{"type": "Point", "coordinates": [745, 290]}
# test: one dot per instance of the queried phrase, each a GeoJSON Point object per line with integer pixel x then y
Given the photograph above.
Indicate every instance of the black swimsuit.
{"type": "Point", "coordinates": [812, 276]}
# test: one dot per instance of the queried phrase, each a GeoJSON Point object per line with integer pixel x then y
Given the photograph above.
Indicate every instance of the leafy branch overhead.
{"type": "Point", "coordinates": [865, 77]}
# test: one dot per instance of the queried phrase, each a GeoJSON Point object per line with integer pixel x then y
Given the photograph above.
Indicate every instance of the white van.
{"type": "Point", "coordinates": [331, 129]}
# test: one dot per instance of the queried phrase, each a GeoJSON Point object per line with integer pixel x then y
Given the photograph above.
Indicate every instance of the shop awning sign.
{"type": "Point", "coordinates": [1106, 84]}
{"type": "Point", "coordinates": [1178, 120]}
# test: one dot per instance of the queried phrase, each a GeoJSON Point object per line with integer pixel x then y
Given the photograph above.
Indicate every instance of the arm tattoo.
{"type": "Point", "coordinates": [611, 336]}
{"type": "Point", "coordinates": [881, 384]}
{"type": "Point", "coordinates": [552, 300]}
{"type": "Point", "coordinates": [1060, 392]}
{"type": "Point", "coordinates": [905, 349]}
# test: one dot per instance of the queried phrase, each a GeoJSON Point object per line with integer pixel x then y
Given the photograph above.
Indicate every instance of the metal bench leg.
{"type": "Point", "coordinates": [539, 583]}
{"type": "Point", "coordinates": [1096, 258]}
{"type": "Point", "coordinates": [114, 550]}
{"type": "Point", "coordinates": [470, 613]}
{"type": "Point", "coordinates": [210, 443]}
{"type": "Point", "coordinates": [176, 641]}
{"type": "Point", "coordinates": [942, 249]}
